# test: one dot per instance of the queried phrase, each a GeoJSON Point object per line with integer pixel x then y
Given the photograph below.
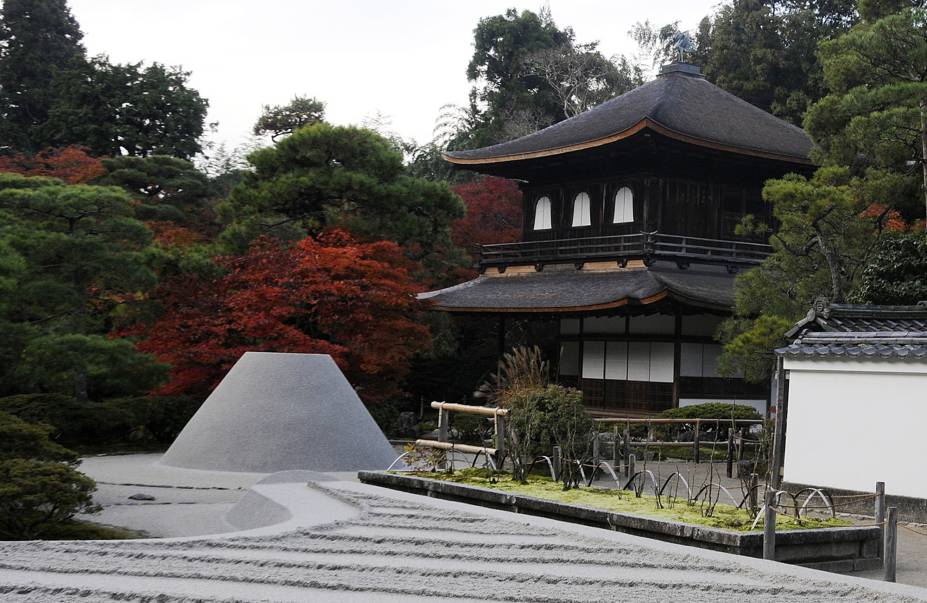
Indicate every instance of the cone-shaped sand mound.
{"type": "Point", "coordinates": [274, 412]}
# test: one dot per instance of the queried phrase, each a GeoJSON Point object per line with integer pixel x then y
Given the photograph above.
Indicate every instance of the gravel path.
{"type": "Point", "coordinates": [397, 547]}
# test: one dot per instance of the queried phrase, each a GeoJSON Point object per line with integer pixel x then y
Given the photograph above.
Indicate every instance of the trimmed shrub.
{"type": "Point", "coordinates": [711, 410]}
{"type": "Point", "coordinates": [19, 439]}
{"type": "Point", "coordinates": [74, 423]}
{"type": "Point", "coordinates": [156, 418]}
{"type": "Point", "coordinates": [38, 496]}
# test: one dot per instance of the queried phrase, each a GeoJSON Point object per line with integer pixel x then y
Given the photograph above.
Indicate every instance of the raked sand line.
{"type": "Point", "coordinates": [394, 547]}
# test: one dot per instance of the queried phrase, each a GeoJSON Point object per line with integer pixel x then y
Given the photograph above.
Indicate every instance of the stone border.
{"type": "Point", "coordinates": [833, 549]}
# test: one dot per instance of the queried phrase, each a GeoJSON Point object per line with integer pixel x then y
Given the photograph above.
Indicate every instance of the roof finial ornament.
{"type": "Point", "coordinates": [822, 307]}
{"type": "Point", "coordinates": [683, 44]}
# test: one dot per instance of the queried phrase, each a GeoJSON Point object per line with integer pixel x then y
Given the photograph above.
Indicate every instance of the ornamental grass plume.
{"type": "Point", "coordinates": [521, 370]}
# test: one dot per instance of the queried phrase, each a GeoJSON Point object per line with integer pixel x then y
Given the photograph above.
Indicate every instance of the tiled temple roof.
{"type": "Point", "coordinates": [563, 288]}
{"type": "Point", "coordinates": [680, 104]}
{"type": "Point", "coordinates": [860, 331]}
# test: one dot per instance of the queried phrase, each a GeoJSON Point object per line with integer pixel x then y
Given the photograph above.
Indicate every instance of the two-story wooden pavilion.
{"type": "Point", "coordinates": [629, 249]}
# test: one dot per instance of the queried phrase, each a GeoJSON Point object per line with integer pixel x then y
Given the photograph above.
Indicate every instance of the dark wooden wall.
{"type": "Point", "coordinates": [669, 205]}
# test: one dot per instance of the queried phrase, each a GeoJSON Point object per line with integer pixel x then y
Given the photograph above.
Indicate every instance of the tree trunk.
{"type": "Point", "coordinates": [924, 157]}
{"type": "Point", "coordinates": [833, 266]}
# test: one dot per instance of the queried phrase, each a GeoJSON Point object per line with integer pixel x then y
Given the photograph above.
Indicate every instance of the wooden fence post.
{"type": "Point", "coordinates": [615, 455]}
{"type": "Point", "coordinates": [500, 441]}
{"type": "Point", "coordinates": [696, 442]}
{"type": "Point", "coordinates": [769, 525]}
{"type": "Point", "coordinates": [595, 449]}
{"type": "Point", "coordinates": [879, 513]}
{"type": "Point", "coordinates": [891, 543]}
{"type": "Point", "coordinates": [730, 453]}
{"type": "Point", "coordinates": [555, 461]}
{"type": "Point", "coordinates": [443, 420]}
{"type": "Point", "coordinates": [443, 433]}
{"type": "Point", "coordinates": [631, 463]}
{"type": "Point", "coordinates": [627, 450]}
{"type": "Point", "coordinates": [740, 449]}
{"type": "Point", "coordinates": [754, 482]}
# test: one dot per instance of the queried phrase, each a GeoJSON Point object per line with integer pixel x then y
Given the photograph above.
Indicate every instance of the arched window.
{"type": "Point", "coordinates": [581, 211]}
{"type": "Point", "coordinates": [624, 206]}
{"type": "Point", "coordinates": [542, 214]}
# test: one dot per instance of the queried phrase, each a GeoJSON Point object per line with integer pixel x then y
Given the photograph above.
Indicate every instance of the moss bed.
{"type": "Point", "coordinates": [725, 516]}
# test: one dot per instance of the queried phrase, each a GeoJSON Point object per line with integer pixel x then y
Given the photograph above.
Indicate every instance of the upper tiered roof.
{"type": "Point", "coordinates": [679, 104]}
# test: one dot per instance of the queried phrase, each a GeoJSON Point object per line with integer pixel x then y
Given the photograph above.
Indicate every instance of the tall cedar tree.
{"type": "Point", "coordinates": [38, 39]}
{"type": "Point", "coordinates": [325, 176]}
{"type": "Point", "coordinates": [72, 254]}
{"type": "Point", "coordinates": [328, 294]}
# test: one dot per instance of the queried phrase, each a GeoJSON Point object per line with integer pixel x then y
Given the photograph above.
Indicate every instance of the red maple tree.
{"type": "Point", "coordinates": [494, 208]}
{"type": "Point", "coordinates": [329, 295]}
{"type": "Point", "coordinates": [71, 164]}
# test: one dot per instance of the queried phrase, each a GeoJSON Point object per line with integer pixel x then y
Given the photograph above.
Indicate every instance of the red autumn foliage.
{"type": "Point", "coordinates": [891, 219]}
{"type": "Point", "coordinates": [71, 164]}
{"type": "Point", "coordinates": [494, 208]}
{"type": "Point", "coordinates": [330, 295]}
{"type": "Point", "coordinates": [169, 234]}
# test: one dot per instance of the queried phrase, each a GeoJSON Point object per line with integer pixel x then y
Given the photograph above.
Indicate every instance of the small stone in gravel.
{"type": "Point", "coordinates": [141, 496]}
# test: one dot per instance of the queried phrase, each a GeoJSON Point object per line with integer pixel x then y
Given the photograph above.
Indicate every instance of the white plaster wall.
{"type": "Point", "coordinates": [853, 423]}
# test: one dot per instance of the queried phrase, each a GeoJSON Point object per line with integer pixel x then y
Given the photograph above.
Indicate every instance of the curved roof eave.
{"type": "Point", "coordinates": [646, 123]}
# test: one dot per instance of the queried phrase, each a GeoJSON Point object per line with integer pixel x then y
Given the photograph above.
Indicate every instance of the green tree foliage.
{"type": "Point", "coordinates": [896, 273]}
{"type": "Point", "coordinates": [820, 247]}
{"type": "Point", "coordinates": [283, 120]}
{"type": "Point", "coordinates": [38, 39]}
{"type": "Point", "coordinates": [170, 189]}
{"type": "Point", "coordinates": [40, 491]}
{"type": "Point", "coordinates": [765, 52]}
{"type": "Point", "coordinates": [37, 496]}
{"type": "Point", "coordinates": [581, 77]}
{"type": "Point", "coordinates": [19, 439]}
{"type": "Point", "coordinates": [129, 109]}
{"type": "Point", "coordinates": [513, 96]}
{"type": "Point", "coordinates": [875, 116]}
{"type": "Point", "coordinates": [324, 175]}
{"type": "Point", "coordinates": [528, 73]}
{"type": "Point", "coordinates": [51, 95]}
{"type": "Point", "coordinates": [84, 255]}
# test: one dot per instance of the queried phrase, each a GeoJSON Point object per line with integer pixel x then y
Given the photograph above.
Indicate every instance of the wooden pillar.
{"type": "Point", "coordinates": [677, 358]}
{"type": "Point", "coordinates": [769, 527]}
{"type": "Point", "coordinates": [782, 407]}
{"type": "Point", "coordinates": [879, 513]}
{"type": "Point", "coordinates": [500, 441]}
{"type": "Point", "coordinates": [891, 543]}
{"type": "Point", "coordinates": [696, 442]}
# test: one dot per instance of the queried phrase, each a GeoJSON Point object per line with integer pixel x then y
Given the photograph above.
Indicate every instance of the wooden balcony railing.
{"type": "Point", "coordinates": [648, 247]}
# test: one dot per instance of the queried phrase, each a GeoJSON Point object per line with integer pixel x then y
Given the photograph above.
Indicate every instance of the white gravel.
{"type": "Point", "coordinates": [344, 541]}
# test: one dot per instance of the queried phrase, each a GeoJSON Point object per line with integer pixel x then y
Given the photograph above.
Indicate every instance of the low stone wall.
{"type": "Point", "coordinates": [909, 508]}
{"type": "Point", "coordinates": [833, 549]}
